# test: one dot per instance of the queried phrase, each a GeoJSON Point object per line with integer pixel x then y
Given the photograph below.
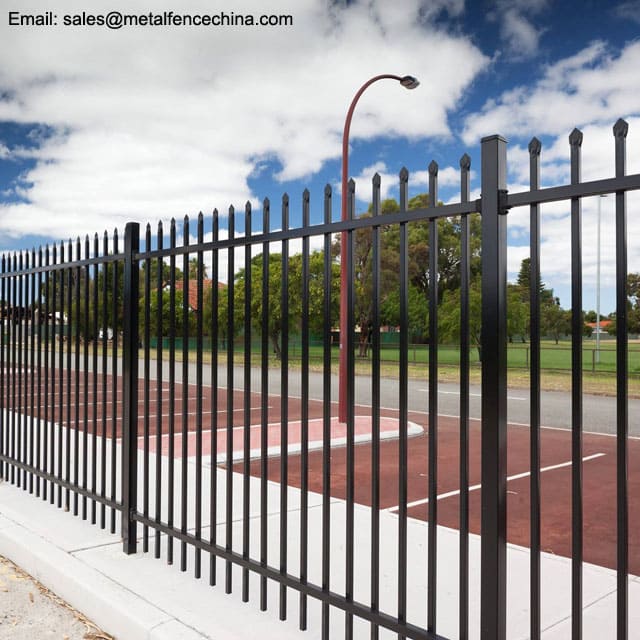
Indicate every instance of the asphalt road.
{"type": "Point", "coordinates": [598, 414]}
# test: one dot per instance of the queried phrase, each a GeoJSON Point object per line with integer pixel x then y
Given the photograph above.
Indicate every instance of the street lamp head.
{"type": "Point", "coordinates": [409, 82]}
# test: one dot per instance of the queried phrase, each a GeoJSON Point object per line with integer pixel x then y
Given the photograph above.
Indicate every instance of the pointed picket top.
{"type": "Point", "coordinates": [327, 190]}
{"type": "Point", "coordinates": [404, 174]}
{"type": "Point", "coordinates": [200, 218]}
{"type": "Point", "coordinates": [575, 138]}
{"type": "Point", "coordinates": [465, 162]}
{"type": "Point", "coordinates": [535, 146]}
{"type": "Point", "coordinates": [433, 168]}
{"type": "Point", "coordinates": [247, 218]}
{"type": "Point", "coordinates": [306, 214]}
{"type": "Point", "coordinates": [266, 203]}
{"type": "Point", "coordinates": [621, 128]}
{"type": "Point", "coordinates": [351, 187]}
{"type": "Point", "coordinates": [186, 239]}
{"type": "Point", "coordinates": [215, 215]}
{"type": "Point", "coordinates": [285, 211]}
{"type": "Point", "coordinates": [376, 180]}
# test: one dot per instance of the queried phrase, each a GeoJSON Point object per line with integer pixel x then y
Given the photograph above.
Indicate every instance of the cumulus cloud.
{"type": "Point", "coordinates": [629, 10]}
{"type": "Point", "coordinates": [158, 122]}
{"type": "Point", "coordinates": [518, 32]}
{"type": "Point", "coordinates": [593, 86]}
{"type": "Point", "coordinates": [589, 90]}
{"type": "Point", "coordinates": [389, 182]}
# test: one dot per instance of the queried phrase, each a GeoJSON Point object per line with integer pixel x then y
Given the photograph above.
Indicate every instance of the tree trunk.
{"type": "Point", "coordinates": [276, 345]}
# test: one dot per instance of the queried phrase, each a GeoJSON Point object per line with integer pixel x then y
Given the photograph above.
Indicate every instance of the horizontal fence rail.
{"type": "Point", "coordinates": [212, 453]}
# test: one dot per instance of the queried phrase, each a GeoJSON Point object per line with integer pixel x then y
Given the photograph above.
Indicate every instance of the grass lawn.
{"type": "Point", "coordinates": [552, 356]}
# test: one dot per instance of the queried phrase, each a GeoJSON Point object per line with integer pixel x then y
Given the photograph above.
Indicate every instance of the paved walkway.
{"type": "Point", "coordinates": [140, 598]}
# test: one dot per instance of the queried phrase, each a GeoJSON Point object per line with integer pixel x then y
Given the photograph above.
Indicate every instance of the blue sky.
{"type": "Point", "coordinates": [99, 127]}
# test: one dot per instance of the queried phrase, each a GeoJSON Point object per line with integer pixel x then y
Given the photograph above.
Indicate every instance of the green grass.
{"type": "Point", "coordinates": [552, 356]}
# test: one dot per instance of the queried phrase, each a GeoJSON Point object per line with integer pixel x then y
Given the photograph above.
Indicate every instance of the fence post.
{"type": "Point", "coordinates": [130, 343]}
{"type": "Point", "coordinates": [494, 390]}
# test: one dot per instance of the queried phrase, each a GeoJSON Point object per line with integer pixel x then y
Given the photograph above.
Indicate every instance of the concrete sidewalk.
{"type": "Point", "coordinates": [138, 597]}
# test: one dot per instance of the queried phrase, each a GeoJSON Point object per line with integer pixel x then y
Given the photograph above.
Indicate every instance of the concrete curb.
{"type": "Point", "coordinates": [116, 609]}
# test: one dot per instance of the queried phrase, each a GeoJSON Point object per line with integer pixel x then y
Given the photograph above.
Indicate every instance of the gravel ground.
{"type": "Point", "coordinates": [29, 611]}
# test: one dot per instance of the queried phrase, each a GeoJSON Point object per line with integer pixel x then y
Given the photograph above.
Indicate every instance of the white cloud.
{"type": "Point", "coordinates": [389, 182]}
{"type": "Point", "coordinates": [521, 36]}
{"type": "Point", "coordinates": [159, 122]}
{"type": "Point", "coordinates": [629, 10]}
{"type": "Point", "coordinates": [590, 90]}
{"type": "Point", "coordinates": [517, 29]}
{"type": "Point", "coordinates": [591, 87]}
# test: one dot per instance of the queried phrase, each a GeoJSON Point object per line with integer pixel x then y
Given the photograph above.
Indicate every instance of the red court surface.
{"type": "Point", "coordinates": [315, 431]}
{"type": "Point", "coordinates": [599, 486]}
{"type": "Point", "coordinates": [599, 459]}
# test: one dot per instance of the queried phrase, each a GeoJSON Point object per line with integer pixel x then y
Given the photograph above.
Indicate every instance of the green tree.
{"type": "Point", "coordinates": [109, 315]}
{"type": "Point", "coordinates": [449, 316]}
{"type": "Point", "coordinates": [157, 330]}
{"type": "Point", "coordinates": [555, 322]}
{"type": "Point", "coordinates": [517, 313]}
{"type": "Point", "coordinates": [274, 311]}
{"type": "Point", "coordinates": [153, 272]}
{"type": "Point", "coordinates": [633, 306]}
{"type": "Point", "coordinates": [524, 280]}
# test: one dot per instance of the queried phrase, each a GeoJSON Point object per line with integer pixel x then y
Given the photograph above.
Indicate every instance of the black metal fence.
{"type": "Point", "coordinates": [104, 425]}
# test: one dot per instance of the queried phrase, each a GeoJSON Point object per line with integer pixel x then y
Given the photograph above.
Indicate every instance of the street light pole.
{"type": "Point", "coordinates": [409, 82]}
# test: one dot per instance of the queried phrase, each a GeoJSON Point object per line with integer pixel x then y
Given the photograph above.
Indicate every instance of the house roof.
{"type": "Point", "coordinates": [603, 324]}
{"type": "Point", "coordinates": [193, 290]}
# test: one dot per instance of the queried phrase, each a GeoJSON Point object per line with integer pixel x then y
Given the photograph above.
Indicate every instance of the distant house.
{"type": "Point", "coordinates": [193, 290]}
{"type": "Point", "coordinates": [604, 326]}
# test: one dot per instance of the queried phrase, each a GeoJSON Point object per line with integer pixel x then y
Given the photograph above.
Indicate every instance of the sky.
{"type": "Point", "coordinates": [100, 126]}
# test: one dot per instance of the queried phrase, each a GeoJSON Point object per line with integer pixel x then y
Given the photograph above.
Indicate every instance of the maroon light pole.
{"type": "Point", "coordinates": [409, 82]}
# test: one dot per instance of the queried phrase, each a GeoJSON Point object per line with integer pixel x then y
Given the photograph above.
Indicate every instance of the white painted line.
{"type": "Point", "coordinates": [178, 413]}
{"type": "Point", "coordinates": [474, 395]}
{"type": "Point", "coordinates": [475, 487]}
{"type": "Point", "coordinates": [510, 423]}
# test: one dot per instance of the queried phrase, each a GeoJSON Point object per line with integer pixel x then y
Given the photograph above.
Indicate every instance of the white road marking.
{"type": "Point", "coordinates": [475, 487]}
{"type": "Point", "coordinates": [475, 395]}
